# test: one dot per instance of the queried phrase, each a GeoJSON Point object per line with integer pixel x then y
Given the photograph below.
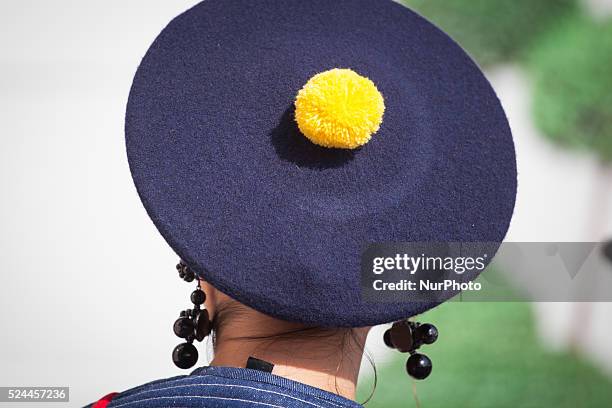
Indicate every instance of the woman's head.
{"type": "Point", "coordinates": [240, 332]}
{"type": "Point", "coordinates": [232, 320]}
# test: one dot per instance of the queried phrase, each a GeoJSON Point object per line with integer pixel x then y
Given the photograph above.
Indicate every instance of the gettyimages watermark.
{"type": "Point", "coordinates": [487, 271]}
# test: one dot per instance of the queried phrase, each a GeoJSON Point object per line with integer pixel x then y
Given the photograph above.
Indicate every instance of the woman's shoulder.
{"type": "Point", "coordinates": [225, 387]}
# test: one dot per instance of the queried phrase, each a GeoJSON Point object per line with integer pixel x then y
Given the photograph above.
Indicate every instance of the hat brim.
{"type": "Point", "coordinates": [271, 219]}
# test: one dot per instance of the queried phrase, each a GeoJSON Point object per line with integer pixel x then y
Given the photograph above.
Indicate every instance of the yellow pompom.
{"type": "Point", "coordinates": [339, 108]}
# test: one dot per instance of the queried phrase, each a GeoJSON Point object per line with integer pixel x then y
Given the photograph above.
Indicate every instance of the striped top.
{"type": "Point", "coordinates": [213, 387]}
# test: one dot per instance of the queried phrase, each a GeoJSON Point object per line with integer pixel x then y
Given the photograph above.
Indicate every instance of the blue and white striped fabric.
{"type": "Point", "coordinates": [214, 387]}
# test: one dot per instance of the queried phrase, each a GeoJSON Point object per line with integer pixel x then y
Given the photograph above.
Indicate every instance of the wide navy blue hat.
{"type": "Point", "coordinates": [276, 221]}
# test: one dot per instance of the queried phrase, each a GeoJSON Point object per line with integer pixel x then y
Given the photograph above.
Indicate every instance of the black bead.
{"type": "Point", "coordinates": [401, 337]}
{"type": "Point", "coordinates": [202, 325]}
{"type": "Point", "coordinates": [419, 366]}
{"type": "Point", "coordinates": [185, 355]}
{"type": "Point", "coordinates": [189, 276]}
{"type": "Point", "coordinates": [426, 333]}
{"type": "Point", "coordinates": [198, 297]}
{"type": "Point", "coordinates": [387, 338]}
{"type": "Point", "coordinates": [183, 327]}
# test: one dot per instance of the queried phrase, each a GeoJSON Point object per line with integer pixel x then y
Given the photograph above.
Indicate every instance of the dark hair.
{"type": "Point", "coordinates": [229, 311]}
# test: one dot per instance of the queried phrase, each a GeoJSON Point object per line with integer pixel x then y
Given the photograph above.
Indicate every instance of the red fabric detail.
{"type": "Point", "coordinates": [105, 400]}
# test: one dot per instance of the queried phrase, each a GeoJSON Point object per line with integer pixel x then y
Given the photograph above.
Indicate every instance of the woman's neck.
{"type": "Point", "coordinates": [328, 359]}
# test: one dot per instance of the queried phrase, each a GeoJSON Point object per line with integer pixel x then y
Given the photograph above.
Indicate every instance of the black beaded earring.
{"type": "Point", "coordinates": [192, 324]}
{"type": "Point", "coordinates": [406, 337]}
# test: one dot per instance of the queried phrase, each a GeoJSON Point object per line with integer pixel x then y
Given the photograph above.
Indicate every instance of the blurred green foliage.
{"type": "Point", "coordinates": [493, 30]}
{"type": "Point", "coordinates": [488, 356]}
{"type": "Point", "coordinates": [572, 84]}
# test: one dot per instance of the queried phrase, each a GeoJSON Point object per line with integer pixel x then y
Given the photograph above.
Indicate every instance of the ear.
{"type": "Point", "coordinates": [212, 300]}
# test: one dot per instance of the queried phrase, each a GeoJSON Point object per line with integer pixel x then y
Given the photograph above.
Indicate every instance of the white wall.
{"type": "Point", "coordinates": [89, 290]}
